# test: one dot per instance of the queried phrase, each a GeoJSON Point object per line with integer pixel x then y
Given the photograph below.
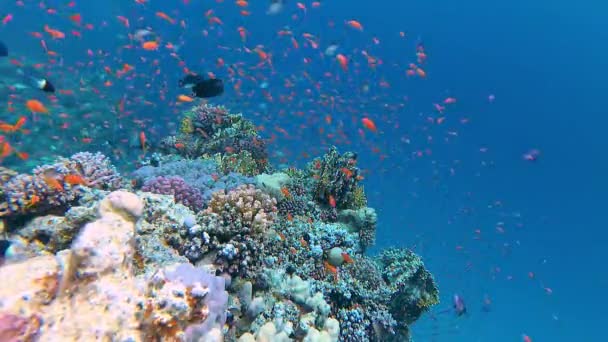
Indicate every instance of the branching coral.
{"type": "Point", "coordinates": [245, 208]}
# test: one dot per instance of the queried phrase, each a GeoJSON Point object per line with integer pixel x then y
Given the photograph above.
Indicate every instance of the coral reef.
{"type": "Point", "coordinates": [336, 180]}
{"type": "Point", "coordinates": [57, 185]}
{"type": "Point", "coordinates": [178, 188]}
{"type": "Point", "coordinates": [207, 130]}
{"type": "Point", "coordinates": [202, 174]}
{"type": "Point", "coordinates": [244, 209]}
{"type": "Point", "coordinates": [216, 248]}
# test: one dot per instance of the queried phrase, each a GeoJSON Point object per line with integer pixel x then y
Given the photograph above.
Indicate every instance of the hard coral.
{"type": "Point", "coordinates": [176, 186]}
{"type": "Point", "coordinates": [336, 179]}
{"type": "Point", "coordinates": [57, 185]}
{"type": "Point", "coordinates": [207, 130]}
{"type": "Point", "coordinates": [245, 208]}
{"type": "Point", "coordinates": [58, 297]}
{"type": "Point", "coordinates": [413, 289]}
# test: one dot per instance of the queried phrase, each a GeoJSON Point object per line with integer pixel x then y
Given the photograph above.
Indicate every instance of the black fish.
{"type": "Point", "coordinates": [3, 50]}
{"type": "Point", "coordinates": [45, 85]}
{"type": "Point", "coordinates": [208, 88]}
{"type": "Point", "coordinates": [4, 245]}
{"type": "Point", "coordinates": [190, 80]}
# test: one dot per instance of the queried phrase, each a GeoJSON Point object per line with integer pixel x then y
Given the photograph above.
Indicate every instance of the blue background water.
{"type": "Point", "coordinates": [546, 63]}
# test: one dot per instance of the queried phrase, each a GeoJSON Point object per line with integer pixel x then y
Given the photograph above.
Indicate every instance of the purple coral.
{"type": "Point", "coordinates": [176, 186]}
{"type": "Point", "coordinates": [215, 298]}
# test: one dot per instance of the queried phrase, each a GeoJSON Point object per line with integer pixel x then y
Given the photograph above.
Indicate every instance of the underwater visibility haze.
{"type": "Point", "coordinates": [278, 170]}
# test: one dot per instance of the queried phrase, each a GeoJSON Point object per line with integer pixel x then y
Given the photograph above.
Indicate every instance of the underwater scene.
{"type": "Point", "coordinates": [318, 171]}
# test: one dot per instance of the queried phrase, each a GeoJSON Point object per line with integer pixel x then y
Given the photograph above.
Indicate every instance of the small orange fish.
{"type": "Point", "coordinates": [332, 201]}
{"type": "Point", "coordinates": [347, 172]}
{"type": "Point", "coordinates": [286, 192]}
{"type": "Point", "coordinates": [163, 15]}
{"type": "Point", "coordinates": [369, 124]}
{"type": "Point", "coordinates": [343, 61]}
{"type": "Point", "coordinates": [74, 180]}
{"type": "Point", "coordinates": [7, 149]}
{"type": "Point", "coordinates": [22, 155]}
{"type": "Point", "coordinates": [142, 141]}
{"type": "Point", "coordinates": [54, 33]}
{"type": "Point", "coordinates": [289, 217]}
{"type": "Point", "coordinates": [355, 24]}
{"type": "Point", "coordinates": [150, 45]}
{"type": "Point", "coordinates": [36, 106]}
{"type": "Point", "coordinates": [303, 242]}
{"type": "Point", "coordinates": [53, 183]}
{"type": "Point", "coordinates": [76, 18]}
{"type": "Point", "coordinates": [184, 98]}
{"type": "Point", "coordinates": [331, 269]}
{"type": "Point", "coordinates": [35, 199]}
{"type": "Point", "coordinates": [347, 258]}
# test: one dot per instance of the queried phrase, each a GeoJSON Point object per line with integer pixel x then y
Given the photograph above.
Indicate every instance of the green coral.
{"type": "Point", "coordinates": [357, 198]}
{"type": "Point", "coordinates": [336, 177]}
{"type": "Point", "coordinates": [241, 162]}
{"type": "Point", "coordinates": [186, 126]}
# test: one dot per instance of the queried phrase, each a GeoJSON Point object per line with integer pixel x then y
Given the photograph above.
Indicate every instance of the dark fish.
{"type": "Point", "coordinates": [208, 88]}
{"type": "Point", "coordinates": [190, 80]}
{"type": "Point", "coordinates": [3, 50]}
{"type": "Point", "coordinates": [4, 245]}
{"type": "Point", "coordinates": [45, 85]}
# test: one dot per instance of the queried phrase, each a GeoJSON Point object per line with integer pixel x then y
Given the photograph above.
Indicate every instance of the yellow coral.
{"type": "Point", "coordinates": [358, 199]}
{"type": "Point", "coordinates": [186, 126]}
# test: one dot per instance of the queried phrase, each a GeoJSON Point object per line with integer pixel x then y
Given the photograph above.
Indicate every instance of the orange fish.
{"type": "Point", "coordinates": [150, 45]}
{"type": "Point", "coordinates": [33, 201]}
{"type": "Point", "coordinates": [54, 33]}
{"type": "Point", "coordinates": [286, 192]}
{"type": "Point", "coordinates": [355, 24]}
{"type": "Point", "coordinates": [369, 124]}
{"type": "Point", "coordinates": [36, 106]}
{"type": "Point", "coordinates": [163, 15]}
{"type": "Point", "coordinates": [142, 141]}
{"type": "Point", "coordinates": [242, 3]}
{"type": "Point", "coordinates": [331, 201]}
{"type": "Point", "coordinates": [347, 172]}
{"type": "Point", "coordinates": [7, 149]}
{"type": "Point", "coordinates": [22, 155]}
{"type": "Point", "coordinates": [184, 98]}
{"type": "Point", "coordinates": [343, 61]}
{"type": "Point", "coordinates": [347, 258]}
{"type": "Point", "coordinates": [53, 183]}
{"type": "Point", "coordinates": [74, 180]}
{"type": "Point", "coordinates": [76, 18]}
{"type": "Point", "coordinates": [331, 269]}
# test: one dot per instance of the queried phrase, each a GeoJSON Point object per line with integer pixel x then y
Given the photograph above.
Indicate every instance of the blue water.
{"type": "Point", "coordinates": [545, 62]}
